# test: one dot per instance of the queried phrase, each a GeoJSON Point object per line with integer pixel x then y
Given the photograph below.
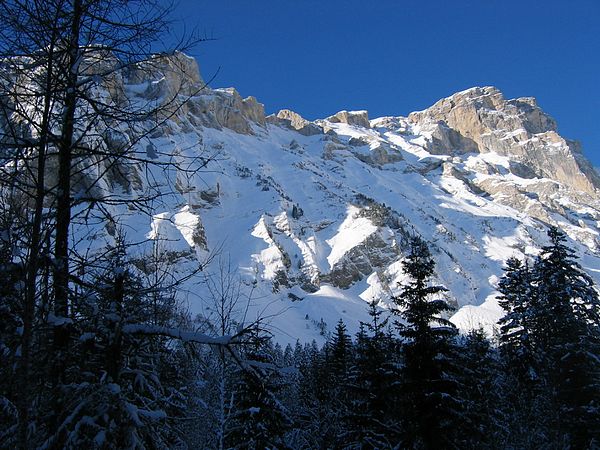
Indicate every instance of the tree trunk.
{"type": "Point", "coordinates": [33, 259]}
{"type": "Point", "coordinates": [65, 157]}
{"type": "Point", "coordinates": [62, 328]}
{"type": "Point", "coordinates": [114, 347]}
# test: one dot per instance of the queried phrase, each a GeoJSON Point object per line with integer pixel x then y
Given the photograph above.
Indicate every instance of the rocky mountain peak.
{"type": "Point", "coordinates": [316, 215]}
{"type": "Point", "coordinates": [482, 110]}
{"type": "Point", "coordinates": [481, 120]}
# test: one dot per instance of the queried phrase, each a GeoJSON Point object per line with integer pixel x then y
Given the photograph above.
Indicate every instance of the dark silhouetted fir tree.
{"type": "Point", "coordinates": [481, 392]}
{"type": "Point", "coordinates": [550, 339]}
{"type": "Point", "coordinates": [340, 348]}
{"type": "Point", "coordinates": [526, 402]}
{"type": "Point", "coordinates": [567, 329]}
{"type": "Point", "coordinates": [319, 419]}
{"type": "Point", "coordinates": [517, 335]}
{"type": "Point", "coordinates": [259, 420]}
{"type": "Point", "coordinates": [429, 386]}
{"type": "Point", "coordinates": [373, 421]}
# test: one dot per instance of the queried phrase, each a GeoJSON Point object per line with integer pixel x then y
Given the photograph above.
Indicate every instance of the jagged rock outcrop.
{"type": "Point", "coordinates": [374, 151]}
{"type": "Point", "coordinates": [482, 120]}
{"type": "Point", "coordinates": [176, 78]}
{"type": "Point", "coordinates": [226, 108]}
{"type": "Point", "coordinates": [443, 140]}
{"type": "Point", "coordinates": [221, 108]}
{"type": "Point", "coordinates": [372, 254]}
{"type": "Point", "coordinates": [356, 118]}
{"type": "Point", "coordinates": [399, 125]}
{"type": "Point", "coordinates": [294, 121]}
{"type": "Point", "coordinates": [379, 154]}
{"type": "Point", "coordinates": [451, 170]}
{"type": "Point", "coordinates": [164, 77]}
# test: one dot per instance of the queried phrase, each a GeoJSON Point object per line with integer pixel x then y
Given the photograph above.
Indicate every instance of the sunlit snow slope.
{"type": "Point", "coordinates": [312, 218]}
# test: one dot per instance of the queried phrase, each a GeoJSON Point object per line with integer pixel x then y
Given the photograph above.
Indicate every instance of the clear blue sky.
{"type": "Point", "coordinates": [393, 57]}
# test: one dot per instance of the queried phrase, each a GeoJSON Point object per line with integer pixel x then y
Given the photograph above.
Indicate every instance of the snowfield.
{"type": "Point", "coordinates": [313, 225]}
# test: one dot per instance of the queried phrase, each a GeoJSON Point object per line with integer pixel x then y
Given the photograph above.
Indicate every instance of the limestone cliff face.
{"type": "Point", "coordinates": [292, 120]}
{"type": "Point", "coordinates": [225, 108]}
{"type": "Point", "coordinates": [175, 81]}
{"type": "Point", "coordinates": [165, 76]}
{"type": "Point", "coordinates": [482, 120]}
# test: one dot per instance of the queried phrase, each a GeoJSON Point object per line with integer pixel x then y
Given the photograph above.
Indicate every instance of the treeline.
{"type": "Point", "coordinates": [408, 379]}
{"type": "Point", "coordinates": [139, 373]}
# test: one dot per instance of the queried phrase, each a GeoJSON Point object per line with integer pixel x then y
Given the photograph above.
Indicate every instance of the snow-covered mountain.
{"type": "Point", "coordinates": [313, 218]}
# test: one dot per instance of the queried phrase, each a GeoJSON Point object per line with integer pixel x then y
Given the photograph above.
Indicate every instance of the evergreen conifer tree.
{"type": "Point", "coordinates": [567, 321]}
{"type": "Point", "coordinates": [481, 393]}
{"type": "Point", "coordinates": [338, 372]}
{"type": "Point", "coordinates": [320, 419]}
{"type": "Point", "coordinates": [526, 401]}
{"type": "Point", "coordinates": [550, 333]}
{"type": "Point", "coordinates": [373, 419]}
{"type": "Point", "coordinates": [259, 420]}
{"type": "Point", "coordinates": [517, 336]}
{"type": "Point", "coordinates": [432, 412]}
{"type": "Point", "coordinates": [340, 354]}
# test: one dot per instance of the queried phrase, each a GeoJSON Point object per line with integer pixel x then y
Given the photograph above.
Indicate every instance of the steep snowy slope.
{"type": "Point", "coordinates": [312, 218]}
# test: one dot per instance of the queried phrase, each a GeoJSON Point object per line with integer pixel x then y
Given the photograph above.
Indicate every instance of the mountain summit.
{"type": "Point", "coordinates": [481, 120]}
{"type": "Point", "coordinates": [313, 218]}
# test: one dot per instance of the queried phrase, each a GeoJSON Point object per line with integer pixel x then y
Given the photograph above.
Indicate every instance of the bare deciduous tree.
{"type": "Point", "coordinates": [64, 125]}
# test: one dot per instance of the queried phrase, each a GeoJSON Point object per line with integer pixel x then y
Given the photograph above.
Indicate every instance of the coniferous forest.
{"type": "Point", "coordinates": [407, 379]}
{"type": "Point", "coordinates": [97, 352]}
